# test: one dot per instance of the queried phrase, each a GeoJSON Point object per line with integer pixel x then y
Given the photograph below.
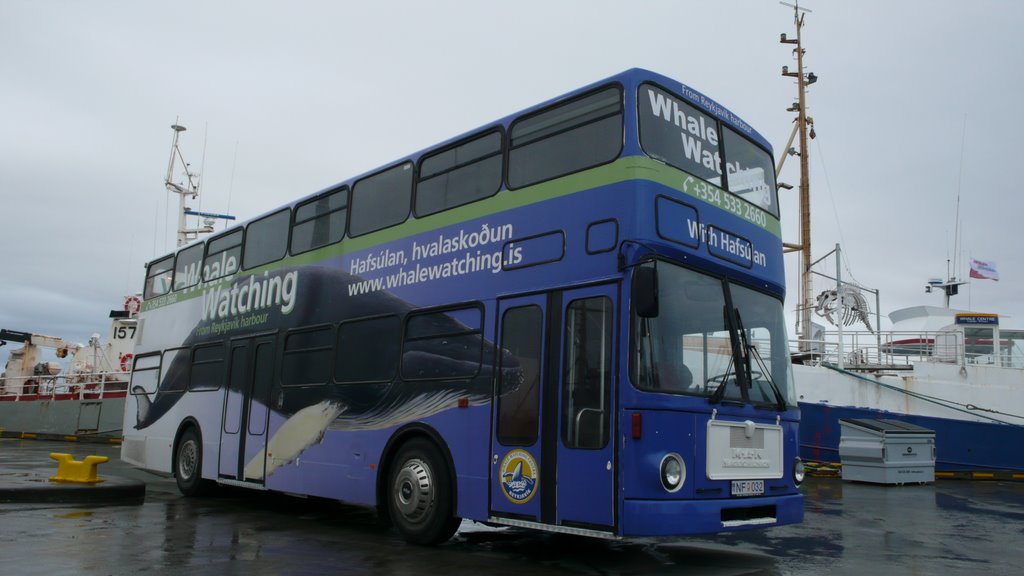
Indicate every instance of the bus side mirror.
{"type": "Point", "coordinates": [645, 292]}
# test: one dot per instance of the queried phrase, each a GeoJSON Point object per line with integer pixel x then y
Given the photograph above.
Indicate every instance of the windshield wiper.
{"type": "Point", "coordinates": [779, 399]}
{"type": "Point", "coordinates": [719, 393]}
{"type": "Point", "coordinates": [745, 346]}
{"type": "Point", "coordinates": [739, 359]}
{"type": "Point", "coordinates": [762, 367]}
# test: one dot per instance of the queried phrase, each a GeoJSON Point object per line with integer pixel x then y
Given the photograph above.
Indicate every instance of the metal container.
{"type": "Point", "coordinates": [886, 451]}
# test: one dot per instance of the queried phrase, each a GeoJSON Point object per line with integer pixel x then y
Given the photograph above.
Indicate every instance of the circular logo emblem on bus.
{"type": "Point", "coordinates": [519, 476]}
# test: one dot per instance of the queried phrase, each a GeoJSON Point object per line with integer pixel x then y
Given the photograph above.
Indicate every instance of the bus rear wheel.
{"type": "Point", "coordinates": [188, 464]}
{"type": "Point", "coordinates": [420, 494]}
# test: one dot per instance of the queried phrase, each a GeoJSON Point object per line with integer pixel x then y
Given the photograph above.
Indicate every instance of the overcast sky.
{"type": "Point", "coordinates": [286, 98]}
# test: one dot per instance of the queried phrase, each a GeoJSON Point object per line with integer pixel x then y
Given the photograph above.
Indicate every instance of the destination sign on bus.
{"type": "Point", "coordinates": [680, 223]}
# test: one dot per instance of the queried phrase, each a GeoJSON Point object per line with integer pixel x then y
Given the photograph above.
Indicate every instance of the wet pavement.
{"type": "Point", "coordinates": [950, 527]}
{"type": "Point", "coordinates": [72, 481]}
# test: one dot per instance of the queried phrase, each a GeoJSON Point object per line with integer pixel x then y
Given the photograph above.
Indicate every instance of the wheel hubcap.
{"type": "Point", "coordinates": [413, 490]}
{"type": "Point", "coordinates": [187, 460]}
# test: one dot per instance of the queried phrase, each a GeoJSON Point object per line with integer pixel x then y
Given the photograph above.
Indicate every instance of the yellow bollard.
{"type": "Point", "coordinates": [71, 470]}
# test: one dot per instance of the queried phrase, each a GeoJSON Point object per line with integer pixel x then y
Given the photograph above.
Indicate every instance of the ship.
{"type": "Point", "coordinates": [79, 396]}
{"type": "Point", "coordinates": [82, 396]}
{"type": "Point", "coordinates": [958, 373]}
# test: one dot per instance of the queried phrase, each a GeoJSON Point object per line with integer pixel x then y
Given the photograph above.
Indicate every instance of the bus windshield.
{"type": "Point", "coordinates": [698, 345]}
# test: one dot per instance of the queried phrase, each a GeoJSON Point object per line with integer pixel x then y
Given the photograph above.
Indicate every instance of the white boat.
{"type": "Point", "coordinates": [957, 372]}
{"type": "Point", "coordinates": [81, 395]}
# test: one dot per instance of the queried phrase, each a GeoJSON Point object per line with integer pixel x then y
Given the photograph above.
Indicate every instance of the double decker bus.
{"type": "Point", "coordinates": [570, 320]}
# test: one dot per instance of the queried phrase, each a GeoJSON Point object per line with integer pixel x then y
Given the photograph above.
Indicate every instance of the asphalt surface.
{"type": "Point", "coordinates": [950, 527]}
{"type": "Point", "coordinates": [24, 479]}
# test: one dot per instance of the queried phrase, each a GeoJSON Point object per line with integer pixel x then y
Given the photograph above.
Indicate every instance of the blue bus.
{"type": "Point", "coordinates": [570, 320]}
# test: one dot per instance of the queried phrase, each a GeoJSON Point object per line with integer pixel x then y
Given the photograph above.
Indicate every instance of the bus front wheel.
{"type": "Point", "coordinates": [420, 494]}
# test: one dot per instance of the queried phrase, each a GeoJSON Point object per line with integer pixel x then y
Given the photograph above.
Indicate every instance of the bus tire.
{"type": "Point", "coordinates": [420, 503]}
{"type": "Point", "coordinates": [188, 464]}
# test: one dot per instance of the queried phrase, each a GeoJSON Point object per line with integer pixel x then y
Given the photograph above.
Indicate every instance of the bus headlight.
{"type": "Point", "coordinates": [798, 471]}
{"type": "Point", "coordinates": [673, 472]}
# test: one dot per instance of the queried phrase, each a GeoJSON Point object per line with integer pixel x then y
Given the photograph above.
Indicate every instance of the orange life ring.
{"type": "Point", "coordinates": [132, 305]}
{"type": "Point", "coordinates": [126, 361]}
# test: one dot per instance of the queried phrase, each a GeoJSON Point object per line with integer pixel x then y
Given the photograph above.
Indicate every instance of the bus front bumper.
{"type": "Point", "coordinates": [686, 517]}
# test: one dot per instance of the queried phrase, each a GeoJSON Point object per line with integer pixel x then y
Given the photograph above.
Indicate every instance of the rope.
{"type": "Point", "coordinates": [823, 469]}
{"type": "Point", "coordinates": [966, 408]}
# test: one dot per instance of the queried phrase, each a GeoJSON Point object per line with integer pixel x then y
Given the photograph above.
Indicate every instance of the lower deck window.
{"type": "Point", "coordinates": [368, 350]}
{"type": "Point", "coordinates": [442, 345]}
{"type": "Point", "coordinates": [307, 357]}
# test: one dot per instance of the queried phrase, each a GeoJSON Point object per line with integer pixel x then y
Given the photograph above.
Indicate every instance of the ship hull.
{"type": "Point", "coordinates": [960, 445]}
{"type": "Point", "coordinates": [97, 417]}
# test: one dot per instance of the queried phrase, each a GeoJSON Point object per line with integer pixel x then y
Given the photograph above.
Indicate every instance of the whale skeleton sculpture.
{"type": "Point", "coordinates": [847, 304]}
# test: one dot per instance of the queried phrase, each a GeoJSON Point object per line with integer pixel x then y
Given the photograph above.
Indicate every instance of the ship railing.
{"type": "Point", "coordinates": [885, 351]}
{"type": "Point", "coordinates": [92, 386]}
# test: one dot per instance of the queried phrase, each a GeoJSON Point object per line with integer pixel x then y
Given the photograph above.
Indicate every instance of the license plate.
{"type": "Point", "coordinates": [747, 487]}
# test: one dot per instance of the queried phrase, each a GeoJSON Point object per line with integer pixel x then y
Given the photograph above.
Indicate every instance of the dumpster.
{"type": "Point", "coordinates": [886, 451]}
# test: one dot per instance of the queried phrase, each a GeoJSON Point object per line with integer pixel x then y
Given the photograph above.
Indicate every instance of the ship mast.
{"type": "Point", "coordinates": [189, 187]}
{"type": "Point", "coordinates": [804, 127]}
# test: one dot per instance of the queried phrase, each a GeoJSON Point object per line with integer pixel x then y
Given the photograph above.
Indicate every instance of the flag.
{"type": "Point", "coordinates": [984, 270]}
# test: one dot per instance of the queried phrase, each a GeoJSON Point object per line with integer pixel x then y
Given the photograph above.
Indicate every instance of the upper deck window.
{"type": "Point", "coordinates": [677, 133]}
{"type": "Point", "coordinates": [749, 171]}
{"type": "Point", "coordinates": [158, 277]}
{"type": "Point", "coordinates": [381, 200]}
{"type": "Point", "coordinates": [266, 239]}
{"type": "Point", "coordinates": [566, 138]}
{"type": "Point", "coordinates": [186, 271]}
{"type": "Point", "coordinates": [459, 175]}
{"type": "Point", "coordinates": [320, 221]}
{"type": "Point", "coordinates": [223, 255]}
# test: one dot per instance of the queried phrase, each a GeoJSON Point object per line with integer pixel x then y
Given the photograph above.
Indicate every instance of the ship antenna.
{"type": "Point", "coordinates": [803, 122]}
{"type": "Point", "coordinates": [231, 186]}
{"type": "Point", "coordinates": [959, 184]}
{"type": "Point", "coordinates": [202, 164]}
{"type": "Point", "coordinates": [951, 287]}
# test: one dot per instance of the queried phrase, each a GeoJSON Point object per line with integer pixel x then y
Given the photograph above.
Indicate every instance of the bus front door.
{"type": "Point", "coordinates": [244, 433]}
{"type": "Point", "coordinates": [553, 458]}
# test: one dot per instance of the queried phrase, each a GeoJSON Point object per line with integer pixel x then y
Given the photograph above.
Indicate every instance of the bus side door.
{"type": "Point", "coordinates": [243, 437]}
{"type": "Point", "coordinates": [586, 466]}
{"type": "Point", "coordinates": [516, 441]}
{"type": "Point", "coordinates": [552, 457]}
